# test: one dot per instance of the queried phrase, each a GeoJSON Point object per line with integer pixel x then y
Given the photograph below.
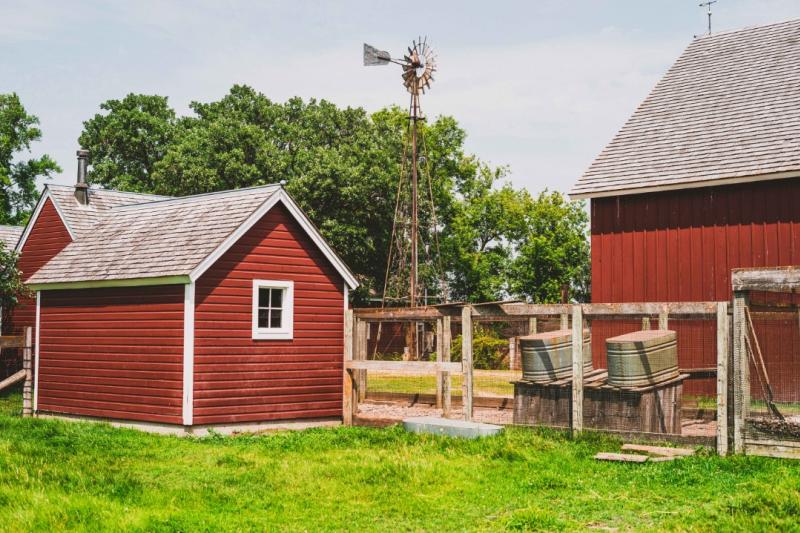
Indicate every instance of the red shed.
{"type": "Point", "coordinates": [703, 178]}
{"type": "Point", "coordinates": [218, 309]}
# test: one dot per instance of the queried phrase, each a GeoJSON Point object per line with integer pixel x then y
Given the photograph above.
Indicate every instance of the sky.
{"type": "Point", "coordinates": [539, 86]}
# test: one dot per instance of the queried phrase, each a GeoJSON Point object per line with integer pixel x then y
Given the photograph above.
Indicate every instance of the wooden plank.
{"type": "Point", "coordinates": [650, 308]}
{"type": "Point", "coordinates": [577, 368]}
{"type": "Point", "coordinates": [12, 379]}
{"type": "Point", "coordinates": [722, 378]}
{"type": "Point", "coordinates": [740, 368]}
{"type": "Point", "coordinates": [777, 279]}
{"type": "Point", "coordinates": [532, 325]}
{"type": "Point", "coordinates": [12, 341]}
{"type": "Point", "coordinates": [360, 354]}
{"type": "Point", "coordinates": [466, 360]}
{"type": "Point", "coordinates": [658, 450]}
{"type": "Point", "coordinates": [439, 359]}
{"type": "Point", "coordinates": [663, 320]}
{"type": "Point", "coordinates": [564, 321]}
{"type": "Point", "coordinates": [27, 367]}
{"type": "Point", "coordinates": [408, 367]}
{"type": "Point", "coordinates": [348, 405]}
{"type": "Point", "coordinates": [621, 457]}
{"type": "Point", "coordinates": [446, 380]}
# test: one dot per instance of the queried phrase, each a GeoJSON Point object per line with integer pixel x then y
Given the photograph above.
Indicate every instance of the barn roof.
{"type": "Point", "coordinates": [169, 240]}
{"type": "Point", "coordinates": [727, 111]}
{"type": "Point", "coordinates": [9, 235]}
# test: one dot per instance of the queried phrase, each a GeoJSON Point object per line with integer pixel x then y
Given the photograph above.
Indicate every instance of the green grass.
{"type": "Point", "coordinates": [58, 475]}
{"type": "Point", "coordinates": [486, 382]}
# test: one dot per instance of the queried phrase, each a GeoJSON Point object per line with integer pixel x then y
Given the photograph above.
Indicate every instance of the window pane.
{"type": "Point", "coordinates": [277, 297]}
{"type": "Point", "coordinates": [263, 297]}
{"type": "Point", "coordinates": [275, 322]}
{"type": "Point", "coordinates": [263, 318]}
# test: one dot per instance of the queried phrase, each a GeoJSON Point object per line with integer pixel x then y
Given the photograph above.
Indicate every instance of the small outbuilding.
{"type": "Point", "coordinates": [221, 309]}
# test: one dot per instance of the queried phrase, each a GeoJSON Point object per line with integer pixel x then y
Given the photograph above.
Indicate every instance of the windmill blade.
{"type": "Point", "coordinates": [373, 56]}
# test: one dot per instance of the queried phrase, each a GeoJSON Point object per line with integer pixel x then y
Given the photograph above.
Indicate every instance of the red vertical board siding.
{"type": "Point", "coordinates": [238, 379]}
{"type": "Point", "coordinates": [699, 235]}
{"type": "Point", "coordinates": [112, 353]}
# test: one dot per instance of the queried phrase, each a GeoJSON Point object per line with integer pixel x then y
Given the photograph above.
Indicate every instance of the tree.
{"type": "Point", "coordinates": [341, 165]}
{"type": "Point", "coordinates": [11, 286]}
{"type": "Point", "coordinates": [554, 251]}
{"type": "Point", "coordinates": [18, 130]}
{"type": "Point", "coordinates": [125, 143]}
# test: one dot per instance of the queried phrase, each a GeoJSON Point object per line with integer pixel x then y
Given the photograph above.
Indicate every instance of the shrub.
{"type": "Point", "coordinates": [489, 350]}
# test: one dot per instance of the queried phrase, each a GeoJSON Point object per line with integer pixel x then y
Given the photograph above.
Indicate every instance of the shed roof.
{"type": "Point", "coordinates": [167, 240]}
{"type": "Point", "coordinates": [726, 111]}
{"type": "Point", "coordinates": [9, 235]}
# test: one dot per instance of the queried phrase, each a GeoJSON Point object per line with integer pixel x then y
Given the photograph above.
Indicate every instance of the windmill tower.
{"type": "Point", "coordinates": [414, 274]}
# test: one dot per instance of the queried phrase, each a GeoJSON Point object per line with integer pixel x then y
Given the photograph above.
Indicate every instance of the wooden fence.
{"type": "Point", "coordinates": [356, 364]}
{"type": "Point", "coordinates": [23, 342]}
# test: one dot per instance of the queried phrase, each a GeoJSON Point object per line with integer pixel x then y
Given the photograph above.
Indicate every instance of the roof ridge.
{"type": "Point", "coordinates": [181, 199]}
{"type": "Point", "coordinates": [113, 191]}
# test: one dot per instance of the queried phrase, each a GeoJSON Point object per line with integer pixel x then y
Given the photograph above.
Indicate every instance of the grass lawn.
{"type": "Point", "coordinates": [56, 475]}
{"type": "Point", "coordinates": [489, 382]}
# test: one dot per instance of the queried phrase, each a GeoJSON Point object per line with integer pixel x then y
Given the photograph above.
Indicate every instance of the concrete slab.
{"type": "Point", "coordinates": [449, 427]}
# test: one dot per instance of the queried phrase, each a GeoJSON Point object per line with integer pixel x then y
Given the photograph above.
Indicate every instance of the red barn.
{"type": "Point", "coordinates": [222, 309]}
{"type": "Point", "coordinates": [703, 178]}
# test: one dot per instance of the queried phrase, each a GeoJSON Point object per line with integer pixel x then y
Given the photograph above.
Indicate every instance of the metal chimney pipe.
{"type": "Point", "coordinates": [81, 187]}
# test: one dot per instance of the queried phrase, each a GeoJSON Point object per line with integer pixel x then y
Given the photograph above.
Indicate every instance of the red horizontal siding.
{"type": "Point", "coordinates": [238, 379]}
{"type": "Point", "coordinates": [113, 353]}
{"type": "Point", "coordinates": [48, 236]}
{"type": "Point", "coordinates": [681, 246]}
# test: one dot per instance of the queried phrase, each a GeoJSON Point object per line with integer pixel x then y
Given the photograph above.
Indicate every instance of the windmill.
{"type": "Point", "coordinates": [403, 283]}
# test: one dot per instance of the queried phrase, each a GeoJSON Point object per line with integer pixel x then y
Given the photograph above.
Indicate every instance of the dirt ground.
{"type": "Point", "coordinates": [385, 413]}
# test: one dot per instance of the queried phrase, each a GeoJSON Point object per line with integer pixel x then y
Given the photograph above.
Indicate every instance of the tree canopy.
{"type": "Point", "coordinates": [342, 165]}
{"type": "Point", "coordinates": [18, 129]}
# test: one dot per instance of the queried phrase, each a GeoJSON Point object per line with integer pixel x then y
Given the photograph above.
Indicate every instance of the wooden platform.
{"type": "Point", "coordinates": [649, 409]}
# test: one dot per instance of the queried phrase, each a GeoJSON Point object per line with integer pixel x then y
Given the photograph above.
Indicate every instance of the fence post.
{"type": "Point", "coordinates": [722, 378]}
{"type": "Point", "coordinates": [741, 378]}
{"type": "Point", "coordinates": [564, 321]}
{"type": "Point", "coordinates": [466, 360]}
{"type": "Point", "coordinates": [512, 353]}
{"type": "Point", "coordinates": [532, 325]}
{"type": "Point", "coordinates": [663, 321]}
{"type": "Point", "coordinates": [361, 355]}
{"type": "Point", "coordinates": [348, 405]}
{"type": "Point", "coordinates": [645, 323]}
{"type": "Point", "coordinates": [27, 366]}
{"type": "Point", "coordinates": [577, 368]}
{"type": "Point", "coordinates": [446, 384]}
{"type": "Point", "coordinates": [439, 358]}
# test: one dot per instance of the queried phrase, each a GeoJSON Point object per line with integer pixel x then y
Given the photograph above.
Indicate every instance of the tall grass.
{"type": "Point", "coordinates": [65, 475]}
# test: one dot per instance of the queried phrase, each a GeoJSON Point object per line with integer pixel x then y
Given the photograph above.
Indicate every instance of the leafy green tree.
{"type": "Point", "coordinates": [11, 286]}
{"type": "Point", "coordinates": [18, 130]}
{"type": "Point", "coordinates": [126, 142]}
{"type": "Point", "coordinates": [553, 252]}
{"type": "Point", "coordinates": [340, 164]}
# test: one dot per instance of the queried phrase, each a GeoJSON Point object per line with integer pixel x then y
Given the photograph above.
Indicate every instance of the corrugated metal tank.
{"type": "Point", "coordinates": [642, 358]}
{"type": "Point", "coordinates": [548, 356]}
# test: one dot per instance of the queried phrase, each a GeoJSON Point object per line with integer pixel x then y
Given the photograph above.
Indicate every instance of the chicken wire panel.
{"type": "Point", "coordinates": [772, 349]}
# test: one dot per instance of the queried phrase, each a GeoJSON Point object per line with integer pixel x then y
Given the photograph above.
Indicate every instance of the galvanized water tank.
{"type": "Point", "coordinates": [642, 358]}
{"type": "Point", "coordinates": [548, 356]}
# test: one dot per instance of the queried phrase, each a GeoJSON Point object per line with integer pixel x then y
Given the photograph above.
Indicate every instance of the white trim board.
{"type": "Point", "coordinates": [188, 354]}
{"type": "Point", "coordinates": [286, 330]}
{"type": "Point", "coordinates": [278, 196]}
{"type": "Point", "coordinates": [35, 216]}
{"type": "Point", "coordinates": [666, 186]}
{"type": "Point", "coordinates": [36, 353]}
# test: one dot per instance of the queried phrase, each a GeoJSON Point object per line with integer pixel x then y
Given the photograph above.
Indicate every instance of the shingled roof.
{"type": "Point", "coordinates": [79, 218]}
{"type": "Point", "coordinates": [167, 240]}
{"type": "Point", "coordinates": [9, 235]}
{"type": "Point", "coordinates": [728, 110]}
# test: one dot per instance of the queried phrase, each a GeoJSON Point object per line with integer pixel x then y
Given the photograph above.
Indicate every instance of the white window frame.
{"type": "Point", "coordinates": [286, 331]}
